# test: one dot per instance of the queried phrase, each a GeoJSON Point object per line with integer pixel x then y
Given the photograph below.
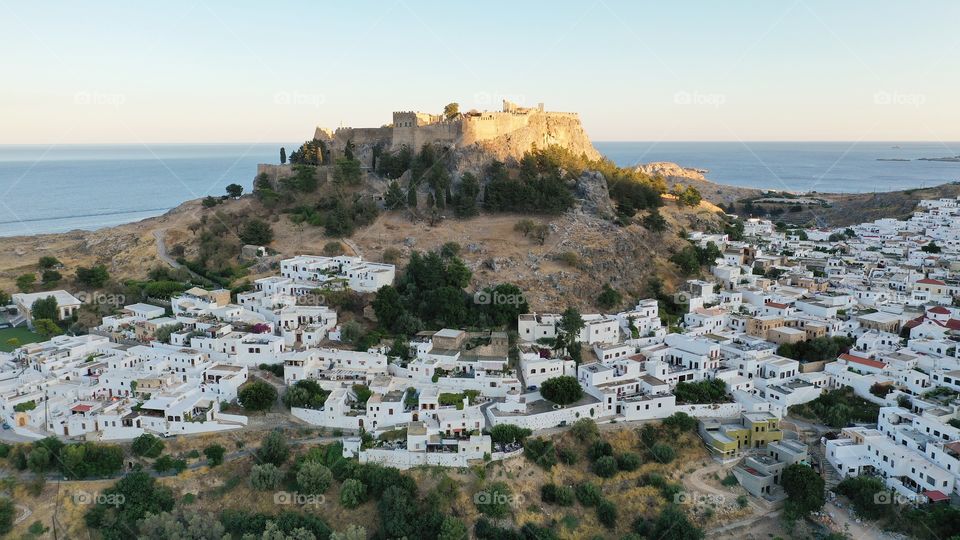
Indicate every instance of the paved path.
{"type": "Point", "coordinates": [159, 235]}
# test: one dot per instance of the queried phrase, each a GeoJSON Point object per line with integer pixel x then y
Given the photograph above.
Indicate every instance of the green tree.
{"type": "Point", "coordinates": [257, 396]}
{"type": "Point", "coordinates": [7, 513]}
{"type": "Point", "coordinates": [256, 232]}
{"type": "Point", "coordinates": [38, 460]}
{"type": "Point", "coordinates": [265, 476]}
{"type": "Point", "coordinates": [47, 262]}
{"type": "Point", "coordinates": [96, 276]}
{"type": "Point", "coordinates": [313, 478]}
{"type": "Point", "coordinates": [45, 308]}
{"type": "Point", "coordinates": [654, 221]}
{"type": "Point", "coordinates": [804, 488]}
{"type": "Point", "coordinates": [214, 454]}
{"type": "Point", "coordinates": [609, 297]}
{"type": "Point", "coordinates": [148, 445]}
{"type": "Point", "coordinates": [353, 493]}
{"type": "Point", "coordinates": [605, 466]}
{"type": "Point", "coordinates": [398, 515]}
{"type": "Point", "coordinates": [347, 171]}
{"type": "Point", "coordinates": [394, 198]}
{"type": "Point", "coordinates": [274, 449]}
{"type": "Point", "coordinates": [283, 155]}
{"type": "Point", "coordinates": [568, 332]}
{"type": "Point", "coordinates": [25, 282]}
{"type": "Point", "coordinates": [673, 524]}
{"type": "Point", "coordinates": [46, 328]}
{"type": "Point", "coordinates": [49, 277]}
{"type": "Point", "coordinates": [451, 110]}
{"type": "Point", "coordinates": [452, 529]}
{"type": "Point", "coordinates": [562, 390]}
{"type": "Point", "coordinates": [234, 190]}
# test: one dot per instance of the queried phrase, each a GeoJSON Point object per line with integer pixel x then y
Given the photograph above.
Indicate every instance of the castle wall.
{"type": "Point", "coordinates": [444, 133]}
{"type": "Point", "coordinates": [491, 125]}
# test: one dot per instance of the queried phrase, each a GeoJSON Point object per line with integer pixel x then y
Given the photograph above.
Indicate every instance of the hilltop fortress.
{"type": "Point", "coordinates": [504, 135]}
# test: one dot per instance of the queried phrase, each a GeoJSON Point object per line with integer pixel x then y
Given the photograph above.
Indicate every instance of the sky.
{"type": "Point", "coordinates": [207, 71]}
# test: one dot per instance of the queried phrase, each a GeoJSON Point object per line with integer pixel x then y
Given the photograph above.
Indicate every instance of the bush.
{"type": "Point", "coordinates": [559, 495]}
{"type": "Point", "coordinates": [147, 445]}
{"type": "Point", "coordinates": [707, 391]}
{"type": "Point", "coordinates": [607, 514]}
{"type": "Point", "coordinates": [352, 493]}
{"type": "Point", "coordinates": [681, 421]}
{"type": "Point", "coordinates": [568, 456]}
{"type": "Point", "coordinates": [605, 466]}
{"type": "Point", "coordinates": [494, 501]}
{"type": "Point", "coordinates": [663, 453]}
{"type": "Point", "coordinates": [256, 232]}
{"type": "Point", "coordinates": [588, 494]}
{"type": "Point", "coordinates": [257, 396]}
{"type": "Point", "coordinates": [628, 461]}
{"type": "Point", "coordinates": [313, 478]}
{"type": "Point", "coordinates": [599, 449]}
{"type": "Point", "coordinates": [274, 449]}
{"type": "Point", "coordinates": [214, 454]}
{"type": "Point", "coordinates": [541, 452]}
{"type": "Point", "coordinates": [265, 477]}
{"type": "Point", "coordinates": [585, 429]}
{"type": "Point", "coordinates": [508, 433]}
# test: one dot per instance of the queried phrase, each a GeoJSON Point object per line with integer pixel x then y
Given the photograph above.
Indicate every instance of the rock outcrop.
{"type": "Point", "coordinates": [591, 190]}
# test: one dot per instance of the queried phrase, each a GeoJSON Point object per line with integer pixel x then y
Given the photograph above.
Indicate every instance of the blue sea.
{"type": "Point", "coordinates": [46, 189]}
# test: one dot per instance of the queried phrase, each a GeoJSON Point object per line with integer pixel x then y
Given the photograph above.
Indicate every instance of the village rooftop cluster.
{"type": "Point", "coordinates": [885, 289]}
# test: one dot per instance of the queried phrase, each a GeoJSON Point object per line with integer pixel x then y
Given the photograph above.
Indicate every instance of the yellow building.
{"type": "Point", "coordinates": [727, 438]}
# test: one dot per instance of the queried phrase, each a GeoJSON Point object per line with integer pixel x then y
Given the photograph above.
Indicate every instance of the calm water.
{"type": "Point", "coordinates": [54, 189]}
{"type": "Point", "coordinates": [804, 166]}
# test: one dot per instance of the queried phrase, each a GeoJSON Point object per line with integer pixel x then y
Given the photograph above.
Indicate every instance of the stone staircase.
{"type": "Point", "coordinates": [830, 475]}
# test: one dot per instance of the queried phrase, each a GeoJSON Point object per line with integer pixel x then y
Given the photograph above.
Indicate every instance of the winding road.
{"type": "Point", "coordinates": [159, 236]}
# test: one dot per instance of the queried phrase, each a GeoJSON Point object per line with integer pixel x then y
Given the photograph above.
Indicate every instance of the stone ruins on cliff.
{"type": "Point", "coordinates": [503, 135]}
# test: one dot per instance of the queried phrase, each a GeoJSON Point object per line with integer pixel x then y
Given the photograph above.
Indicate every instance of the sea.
{"type": "Point", "coordinates": [47, 189]}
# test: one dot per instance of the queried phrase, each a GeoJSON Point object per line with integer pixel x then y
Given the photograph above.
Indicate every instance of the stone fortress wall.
{"type": "Point", "coordinates": [506, 133]}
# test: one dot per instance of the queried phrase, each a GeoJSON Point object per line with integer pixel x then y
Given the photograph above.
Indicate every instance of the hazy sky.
{"type": "Point", "coordinates": [206, 71]}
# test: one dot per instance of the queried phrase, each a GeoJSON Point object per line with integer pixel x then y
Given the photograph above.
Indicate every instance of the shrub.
{"type": "Point", "coordinates": [541, 452]}
{"type": "Point", "coordinates": [274, 449]}
{"type": "Point", "coordinates": [607, 514]}
{"type": "Point", "coordinates": [585, 429]}
{"type": "Point", "coordinates": [313, 477]}
{"type": "Point", "coordinates": [681, 421]}
{"type": "Point", "coordinates": [147, 445]}
{"type": "Point", "coordinates": [559, 495]}
{"type": "Point", "coordinates": [508, 433]}
{"type": "Point", "coordinates": [265, 477]}
{"type": "Point", "coordinates": [567, 455]}
{"type": "Point", "coordinates": [588, 494]}
{"type": "Point", "coordinates": [628, 461]}
{"type": "Point", "coordinates": [663, 453]}
{"type": "Point", "coordinates": [494, 501]}
{"type": "Point", "coordinates": [605, 466]}
{"type": "Point", "coordinates": [352, 493]}
{"type": "Point", "coordinates": [214, 454]}
{"type": "Point", "coordinates": [599, 449]}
